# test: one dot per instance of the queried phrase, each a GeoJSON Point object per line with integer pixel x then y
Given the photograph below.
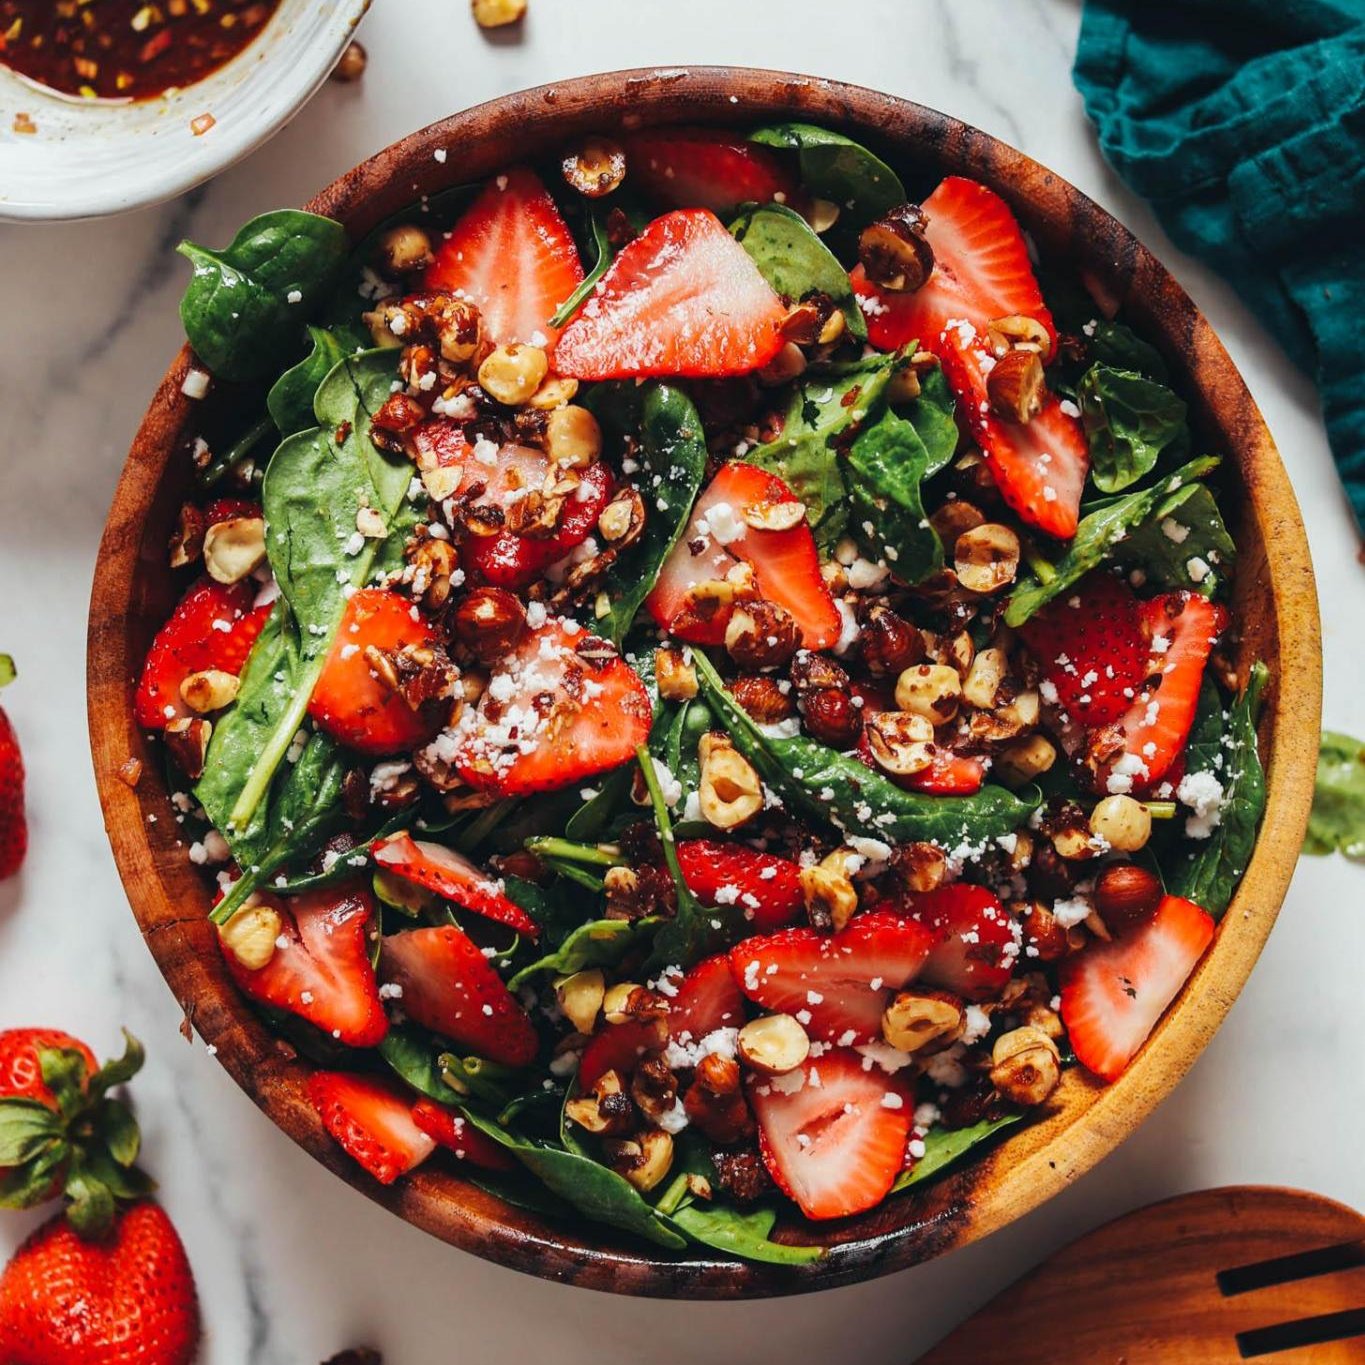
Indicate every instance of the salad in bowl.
{"type": "Point", "coordinates": [702, 678]}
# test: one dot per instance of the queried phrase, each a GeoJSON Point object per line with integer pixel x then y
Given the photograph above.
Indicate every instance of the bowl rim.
{"type": "Point", "coordinates": [1090, 1119]}
{"type": "Point", "coordinates": [292, 87]}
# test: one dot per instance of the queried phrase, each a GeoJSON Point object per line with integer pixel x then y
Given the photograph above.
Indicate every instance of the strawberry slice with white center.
{"type": "Point", "coordinates": [1113, 993]}
{"type": "Point", "coordinates": [513, 255]}
{"type": "Point", "coordinates": [213, 627]}
{"type": "Point", "coordinates": [1090, 648]}
{"type": "Point", "coordinates": [683, 299]}
{"type": "Point", "coordinates": [833, 1135]}
{"type": "Point", "coordinates": [982, 272]}
{"type": "Point", "coordinates": [372, 1120]}
{"type": "Point", "coordinates": [560, 708]}
{"type": "Point", "coordinates": [1040, 465]}
{"type": "Point", "coordinates": [452, 875]}
{"type": "Point", "coordinates": [718, 539]}
{"type": "Point", "coordinates": [836, 985]}
{"type": "Point", "coordinates": [975, 941]}
{"type": "Point", "coordinates": [351, 702]}
{"type": "Point", "coordinates": [708, 168]}
{"type": "Point", "coordinates": [766, 888]}
{"type": "Point", "coordinates": [707, 1000]}
{"type": "Point", "coordinates": [1182, 628]}
{"type": "Point", "coordinates": [456, 1134]}
{"type": "Point", "coordinates": [321, 969]}
{"type": "Point", "coordinates": [448, 986]}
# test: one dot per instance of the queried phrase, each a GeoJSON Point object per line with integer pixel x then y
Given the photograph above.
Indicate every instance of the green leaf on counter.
{"type": "Point", "coordinates": [1129, 422]}
{"type": "Point", "coordinates": [245, 306]}
{"type": "Point", "coordinates": [795, 262]}
{"type": "Point", "coordinates": [836, 168]}
{"type": "Point", "coordinates": [1099, 538]}
{"type": "Point", "coordinates": [1222, 745]}
{"type": "Point", "coordinates": [1337, 821]}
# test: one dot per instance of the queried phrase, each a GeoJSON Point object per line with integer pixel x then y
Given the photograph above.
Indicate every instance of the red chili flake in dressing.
{"type": "Point", "coordinates": [125, 49]}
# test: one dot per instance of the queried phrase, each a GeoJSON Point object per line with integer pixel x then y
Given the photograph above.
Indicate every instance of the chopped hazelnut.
{"type": "Point", "coordinates": [511, 374]}
{"type": "Point", "coordinates": [675, 678]}
{"type": "Point", "coordinates": [1015, 386]}
{"type": "Point", "coordinates": [916, 1018]}
{"type": "Point", "coordinates": [895, 251]}
{"type": "Point", "coordinates": [1025, 1066]}
{"type": "Point", "coordinates": [580, 997]}
{"type": "Point", "coordinates": [761, 635]}
{"type": "Point", "coordinates": [489, 622]}
{"type": "Point", "coordinates": [594, 167]}
{"type": "Point", "coordinates": [249, 936]}
{"type": "Point", "coordinates": [235, 548]}
{"type": "Point", "coordinates": [828, 891]}
{"type": "Point", "coordinates": [209, 690]}
{"type": "Point", "coordinates": [901, 742]}
{"type": "Point", "coordinates": [730, 791]}
{"type": "Point", "coordinates": [403, 250]}
{"type": "Point", "coordinates": [773, 1045]}
{"type": "Point", "coordinates": [497, 13]}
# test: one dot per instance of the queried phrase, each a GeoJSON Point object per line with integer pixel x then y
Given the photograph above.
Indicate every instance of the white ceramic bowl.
{"type": "Point", "coordinates": [90, 158]}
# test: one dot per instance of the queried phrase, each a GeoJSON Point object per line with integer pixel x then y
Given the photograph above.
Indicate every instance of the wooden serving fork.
{"type": "Point", "coordinates": [1242, 1273]}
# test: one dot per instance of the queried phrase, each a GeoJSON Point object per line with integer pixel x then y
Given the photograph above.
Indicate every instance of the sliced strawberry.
{"type": "Point", "coordinates": [455, 1133]}
{"type": "Point", "coordinates": [975, 941]}
{"type": "Point", "coordinates": [555, 712]}
{"type": "Point", "coordinates": [213, 627]}
{"type": "Point", "coordinates": [981, 272]}
{"type": "Point", "coordinates": [452, 875]}
{"type": "Point", "coordinates": [684, 299]}
{"type": "Point", "coordinates": [708, 168]}
{"type": "Point", "coordinates": [449, 987]}
{"type": "Point", "coordinates": [833, 1135]}
{"type": "Point", "coordinates": [513, 255]}
{"type": "Point", "coordinates": [767, 888]}
{"type": "Point", "coordinates": [1113, 993]}
{"type": "Point", "coordinates": [1039, 466]}
{"type": "Point", "coordinates": [351, 702]}
{"type": "Point", "coordinates": [321, 968]}
{"type": "Point", "coordinates": [372, 1120]}
{"type": "Point", "coordinates": [786, 564]}
{"type": "Point", "coordinates": [1182, 627]}
{"type": "Point", "coordinates": [707, 1000]}
{"type": "Point", "coordinates": [1089, 646]}
{"type": "Point", "coordinates": [837, 985]}
{"type": "Point", "coordinates": [618, 1047]}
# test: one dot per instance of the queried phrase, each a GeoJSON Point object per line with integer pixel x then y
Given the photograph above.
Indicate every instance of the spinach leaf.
{"type": "Point", "coordinates": [1209, 874]}
{"type": "Point", "coordinates": [595, 1191]}
{"type": "Point", "coordinates": [1113, 344]}
{"type": "Point", "coordinates": [834, 789]}
{"type": "Point", "coordinates": [290, 400]}
{"type": "Point", "coordinates": [740, 1234]}
{"type": "Point", "coordinates": [932, 416]}
{"type": "Point", "coordinates": [1183, 537]}
{"type": "Point", "coordinates": [412, 1056]}
{"type": "Point", "coordinates": [597, 226]}
{"type": "Point", "coordinates": [838, 169]}
{"type": "Point", "coordinates": [244, 309]}
{"type": "Point", "coordinates": [1098, 539]}
{"type": "Point", "coordinates": [944, 1146]}
{"type": "Point", "coordinates": [1129, 421]}
{"type": "Point", "coordinates": [888, 461]}
{"type": "Point", "coordinates": [672, 457]}
{"type": "Point", "coordinates": [305, 810]}
{"type": "Point", "coordinates": [312, 493]}
{"type": "Point", "coordinates": [599, 943]}
{"type": "Point", "coordinates": [796, 262]}
{"type": "Point", "coordinates": [1337, 821]}
{"type": "Point", "coordinates": [829, 403]}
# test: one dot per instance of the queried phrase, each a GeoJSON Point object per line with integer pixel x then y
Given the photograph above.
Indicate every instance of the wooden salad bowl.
{"type": "Point", "coordinates": [1275, 601]}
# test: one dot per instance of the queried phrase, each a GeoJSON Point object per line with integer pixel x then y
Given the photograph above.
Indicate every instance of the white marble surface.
{"type": "Point", "coordinates": [291, 1264]}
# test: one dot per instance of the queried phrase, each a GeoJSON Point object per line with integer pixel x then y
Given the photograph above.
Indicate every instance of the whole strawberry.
{"type": "Point", "coordinates": [125, 1299]}
{"type": "Point", "coordinates": [13, 826]}
{"type": "Point", "coordinates": [107, 1282]}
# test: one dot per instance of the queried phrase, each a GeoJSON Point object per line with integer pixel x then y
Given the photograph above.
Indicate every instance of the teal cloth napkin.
{"type": "Point", "coordinates": [1243, 122]}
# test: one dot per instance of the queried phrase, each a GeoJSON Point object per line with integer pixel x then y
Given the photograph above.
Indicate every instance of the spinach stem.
{"type": "Point", "coordinates": [1043, 569]}
{"type": "Point", "coordinates": [1160, 810]}
{"type": "Point", "coordinates": [661, 818]}
{"type": "Point", "coordinates": [242, 447]}
{"type": "Point", "coordinates": [596, 855]}
{"type": "Point", "coordinates": [483, 825]}
{"type": "Point", "coordinates": [264, 769]}
{"type": "Point", "coordinates": [672, 1196]}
